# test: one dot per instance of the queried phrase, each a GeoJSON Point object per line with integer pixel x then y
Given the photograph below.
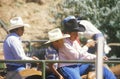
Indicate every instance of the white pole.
{"type": "Point", "coordinates": [99, 60]}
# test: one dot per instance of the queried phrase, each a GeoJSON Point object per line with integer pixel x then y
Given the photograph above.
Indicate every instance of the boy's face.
{"type": "Point", "coordinates": [58, 44]}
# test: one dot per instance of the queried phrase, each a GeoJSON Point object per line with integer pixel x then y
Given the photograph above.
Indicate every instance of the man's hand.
{"type": "Point", "coordinates": [105, 58]}
{"type": "Point", "coordinates": [35, 58]}
{"type": "Point", "coordinates": [90, 43]}
{"type": "Point", "coordinates": [61, 77]}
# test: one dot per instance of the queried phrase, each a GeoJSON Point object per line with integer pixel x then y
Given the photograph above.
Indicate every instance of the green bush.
{"type": "Point", "coordinates": [104, 14]}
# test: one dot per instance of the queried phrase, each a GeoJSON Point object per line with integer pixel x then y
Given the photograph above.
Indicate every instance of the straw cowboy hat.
{"type": "Point", "coordinates": [24, 74]}
{"type": "Point", "coordinates": [55, 35]}
{"type": "Point", "coordinates": [17, 22]}
{"type": "Point", "coordinates": [70, 25]}
{"type": "Point", "coordinates": [30, 73]}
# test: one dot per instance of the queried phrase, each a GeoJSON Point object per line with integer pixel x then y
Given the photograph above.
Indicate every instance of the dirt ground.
{"type": "Point", "coordinates": [34, 12]}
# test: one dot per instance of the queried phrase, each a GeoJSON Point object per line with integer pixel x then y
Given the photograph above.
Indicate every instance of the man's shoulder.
{"type": "Point", "coordinates": [12, 37]}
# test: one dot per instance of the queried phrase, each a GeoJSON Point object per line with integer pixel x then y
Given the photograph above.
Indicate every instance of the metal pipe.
{"type": "Point", "coordinates": [56, 61]}
{"type": "Point", "coordinates": [99, 60]}
{"type": "Point", "coordinates": [43, 69]}
{"type": "Point", "coordinates": [53, 61]}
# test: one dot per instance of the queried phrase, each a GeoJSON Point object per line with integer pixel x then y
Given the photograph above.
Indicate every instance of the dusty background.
{"type": "Point", "coordinates": [34, 12]}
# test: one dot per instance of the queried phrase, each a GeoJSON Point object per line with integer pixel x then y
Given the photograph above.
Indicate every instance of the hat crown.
{"type": "Point", "coordinates": [71, 25]}
{"type": "Point", "coordinates": [16, 21]}
{"type": "Point", "coordinates": [68, 18]}
{"type": "Point", "coordinates": [55, 34]}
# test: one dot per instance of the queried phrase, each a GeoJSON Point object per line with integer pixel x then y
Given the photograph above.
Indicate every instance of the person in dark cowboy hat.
{"type": "Point", "coordinates": [13, 49]}
{"type": "Point", "coordinates": [73, 51]}
{"type": "Point", "coordinates": [69, 52]}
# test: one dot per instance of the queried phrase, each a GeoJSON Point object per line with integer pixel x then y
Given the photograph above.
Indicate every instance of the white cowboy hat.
{"type": "Point", "coordinates": [17, 22]}
{"type": "Point", "coordinates": [55, 35]}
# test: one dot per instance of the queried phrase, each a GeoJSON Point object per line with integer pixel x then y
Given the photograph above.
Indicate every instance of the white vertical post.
{"type": "Point", "coordinates": [99, 60]}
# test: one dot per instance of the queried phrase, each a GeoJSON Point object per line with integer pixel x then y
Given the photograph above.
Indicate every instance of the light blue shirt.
{"type": "Point", "coordinates": [13, 49]}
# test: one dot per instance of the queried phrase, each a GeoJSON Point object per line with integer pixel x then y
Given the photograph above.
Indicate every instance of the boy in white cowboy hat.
{"type": "Point", "coordinates": [55, 42]}
{"type": "Point", "coordinates": [12, 47]}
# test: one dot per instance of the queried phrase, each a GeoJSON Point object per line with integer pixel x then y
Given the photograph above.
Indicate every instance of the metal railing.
{"type": "Point", "coordinates": [53, 61]}
{"type": "Point", "coordinates": [114, 44]}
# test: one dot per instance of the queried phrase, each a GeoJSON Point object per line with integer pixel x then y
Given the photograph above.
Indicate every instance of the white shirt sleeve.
{"type": "Point", "coordinates": [90, 29]}
{"type": "Point", "coordinates": [75, 52]}
{"type": "Point", "coordinates": [18, 50]}
{"type": "Point", "coordinates": [83, 54]}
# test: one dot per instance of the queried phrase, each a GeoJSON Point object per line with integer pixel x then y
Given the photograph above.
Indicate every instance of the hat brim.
{"type": "Point", "coordinates": [78, 29]}
{"type": "Point", "coordinates": [73, 26]}
{"type": "Point", "coordinates": [30, 72]}
{"type": "Point", "coordinates": [18, 26]}
{"type": "Point", "coordinates": [81, 28]}
{"type": "Point", "coordinates": [64, 36]}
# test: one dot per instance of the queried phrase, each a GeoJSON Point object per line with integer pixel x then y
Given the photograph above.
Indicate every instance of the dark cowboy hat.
{"type": "Point", "coordinates": [70, 25]}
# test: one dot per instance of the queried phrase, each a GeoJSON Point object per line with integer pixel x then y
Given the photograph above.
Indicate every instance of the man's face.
{"type": "Point", "coordinates": [20, 31]}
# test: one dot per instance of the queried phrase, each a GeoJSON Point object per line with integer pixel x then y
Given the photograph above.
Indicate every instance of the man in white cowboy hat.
{"type": "Point", "coordinates": [55, 42]}
{"type": "Point", "coordinates": [13, 49]}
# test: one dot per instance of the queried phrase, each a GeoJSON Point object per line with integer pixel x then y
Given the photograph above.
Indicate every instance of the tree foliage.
{"type": "Point", "coordinates": [104, 14]}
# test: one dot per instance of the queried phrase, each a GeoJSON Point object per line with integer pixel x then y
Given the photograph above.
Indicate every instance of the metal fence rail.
{"type": "Point", "coordinates": [43, 62]}
{"type": "Point", "coordinates": [111, 60]}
